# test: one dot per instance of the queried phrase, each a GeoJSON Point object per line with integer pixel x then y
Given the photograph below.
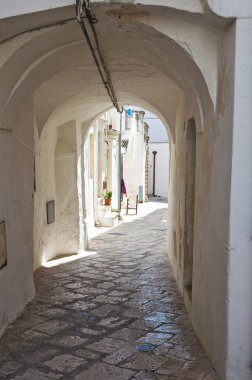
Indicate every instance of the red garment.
{"type": "Point", "coordinates": [123, 187]}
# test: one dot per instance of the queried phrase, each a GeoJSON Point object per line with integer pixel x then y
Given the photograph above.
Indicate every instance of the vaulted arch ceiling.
{"type": "Point", "coordinates": [55, 65]}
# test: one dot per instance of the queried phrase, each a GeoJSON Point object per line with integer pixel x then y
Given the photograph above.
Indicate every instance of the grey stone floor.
{"type": "Point", "coordinates": [90, 317]}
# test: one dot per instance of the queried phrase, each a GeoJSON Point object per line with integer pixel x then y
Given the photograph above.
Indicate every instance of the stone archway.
{"type": "Point", "coordinates": [182, 62]}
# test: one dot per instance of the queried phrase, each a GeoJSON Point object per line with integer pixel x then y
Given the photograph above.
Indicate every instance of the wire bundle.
{"type": "Point", "coordinates": [83, 12]}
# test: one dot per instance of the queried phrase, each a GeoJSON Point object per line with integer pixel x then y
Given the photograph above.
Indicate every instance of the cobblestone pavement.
{"type": "Point", "coordinates": [91, 316]}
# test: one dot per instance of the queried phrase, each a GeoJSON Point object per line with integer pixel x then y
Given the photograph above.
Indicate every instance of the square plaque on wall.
{"type": "Point", "coordinates": [50, 212]}
{"type": "Point", "coordinates": [3, 249]}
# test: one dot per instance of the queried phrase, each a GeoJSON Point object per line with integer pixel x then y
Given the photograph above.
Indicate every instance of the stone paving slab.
{"type": "Point", "coordinates": [105, 371]}
{"type": "Point", "coordinates": [91, 315]}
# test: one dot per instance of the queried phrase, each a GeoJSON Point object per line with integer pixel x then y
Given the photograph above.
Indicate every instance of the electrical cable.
{"type": "Point", "coordinates": [37, 28]}
{"type": "Point", "coordinates": [104, 72]}
{"type": "Point", "coordinates": [83, 6]}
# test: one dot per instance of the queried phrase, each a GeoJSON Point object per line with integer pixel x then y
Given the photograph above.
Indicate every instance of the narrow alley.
{"type": "Point", "coordinates": [114, 315]}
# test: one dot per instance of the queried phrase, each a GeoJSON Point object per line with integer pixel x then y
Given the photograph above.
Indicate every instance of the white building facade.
{"type": "Point", "coordinates": [135, 155]}
{"type": "Point", "coordinates": [108, 164]}
{"type": "Point", "coordinates": [102, 158]}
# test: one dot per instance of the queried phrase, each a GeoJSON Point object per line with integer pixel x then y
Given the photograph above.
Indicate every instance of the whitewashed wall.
{"type": "Point", "coordinates": [16, 209]}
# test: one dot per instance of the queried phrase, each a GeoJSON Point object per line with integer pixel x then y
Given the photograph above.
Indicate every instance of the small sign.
{"type": "Point", "coordinates": [3, 249]}
{"type": "Point", "coordinates": [50, 212]}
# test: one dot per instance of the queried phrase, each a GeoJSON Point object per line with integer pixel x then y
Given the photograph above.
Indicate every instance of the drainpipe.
{"type": "Point", "coordinates": [154, 172]}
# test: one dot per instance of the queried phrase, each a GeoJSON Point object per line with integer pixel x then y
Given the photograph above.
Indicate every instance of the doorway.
{"type": "Point", "coordinates": [190, 162]}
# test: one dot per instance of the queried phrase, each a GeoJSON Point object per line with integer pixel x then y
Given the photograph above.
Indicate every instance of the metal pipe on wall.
{"type": "Point", "coordinates": [154, 173]}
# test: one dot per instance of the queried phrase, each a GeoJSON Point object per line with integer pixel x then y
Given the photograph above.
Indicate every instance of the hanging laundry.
{"type": "Point", "coordinates": [123, 187]}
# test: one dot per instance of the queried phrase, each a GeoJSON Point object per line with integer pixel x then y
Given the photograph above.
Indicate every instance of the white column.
{"type": "Point", "coordinates": [115, 169]}
{"type": "Point", "coordinates": [101, 159]}
{"type": "Point", "coordinates": [86, 192]}
{"type": "Point", "coordinates": [239, 350]}
{"type": "Point", "coordinates": [67, 202]}
{"type": "Point", "coordinates": [96, 151]}
{"type": "Point", "coordinates": [81, 187]}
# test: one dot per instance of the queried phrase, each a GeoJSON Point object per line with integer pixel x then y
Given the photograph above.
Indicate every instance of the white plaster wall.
{"type": "Point", "coordinates": [176, 196]}
{"type": "Point", "coordinates": [16, 208]}
{"type": "Point", "coordinates": [14, 7]}
{"type": "Point", "coordinates": [67, 206]}
{"type": "Point", "coordinates": [102, 158]}
{"type": "Point", "coordinates": [192, 37]}
{"type": "Point", "coordinates": [221, 316]}
{"type": "Point", "coordinates": [82, 211]}
{"type": "Point", "coordinates": [239, 354]}
{"type": "Point", "coordinates": [44, 235]}
{"type": "Point", "coordinates": [211, 244]}
{"type": "Point", "coordinates": [134, 159]}
{"type": "Point", "coordinates": [208, 309]}
{"type": "Point", "coordinates": [109, 168]}
{"type": "Point", "coordinates": [225, 8]}
{"type": "Point", "coordinates": [89, 191]}
{"type": "Point", "coordinates": [59, 177]}
{"type": "Point", "coordinates": [162, 168]}
{"type": "Point", "coordinates": [115, 171]}
{"type": "Point", "coordinates": [96, 153]}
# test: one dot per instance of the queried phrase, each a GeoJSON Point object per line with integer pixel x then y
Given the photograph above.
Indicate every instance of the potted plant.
{"type": "Point", "coordinates": [107, 197]}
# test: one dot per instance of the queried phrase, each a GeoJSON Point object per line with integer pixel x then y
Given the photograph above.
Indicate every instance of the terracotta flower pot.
{"type": "Point", "coordinates": [107, 201]}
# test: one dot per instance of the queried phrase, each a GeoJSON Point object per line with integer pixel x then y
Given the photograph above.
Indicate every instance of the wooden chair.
{"type": "Point", "coordinates": [131, 204]}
